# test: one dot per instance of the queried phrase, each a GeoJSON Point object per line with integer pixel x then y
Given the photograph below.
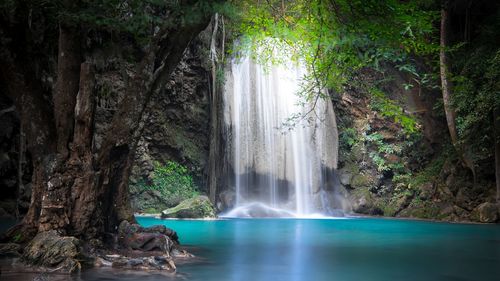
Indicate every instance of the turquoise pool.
{"type": "Point", "coordinates": [337, 249]}
{"type": "Point", "coordinates": [324, 249]}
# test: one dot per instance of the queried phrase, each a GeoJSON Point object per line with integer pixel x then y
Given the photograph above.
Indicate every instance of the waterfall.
{"type": "Point", "coordinates": [277, 169]}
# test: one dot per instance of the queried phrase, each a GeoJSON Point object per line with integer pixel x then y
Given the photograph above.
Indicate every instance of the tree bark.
{"type": "Point", "coordinates": [67, 85]}
{"type": "Point", "coordinates": [446, 87]}
{"type": "Point", "coordinates": [37, 123]}
{"type": "Point", "coordinates": [20, 163]}
{"type": "Point", "coordinates": [55, 212]}
{"type": "Point", "coordinates": [496, 139]}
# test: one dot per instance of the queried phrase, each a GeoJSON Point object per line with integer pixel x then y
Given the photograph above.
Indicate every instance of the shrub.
{"type": "Point", "coordinates": [173, 181]}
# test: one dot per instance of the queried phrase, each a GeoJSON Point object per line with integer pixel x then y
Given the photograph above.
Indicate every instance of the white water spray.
{"type": "Point", "coordinates": [291, 171]}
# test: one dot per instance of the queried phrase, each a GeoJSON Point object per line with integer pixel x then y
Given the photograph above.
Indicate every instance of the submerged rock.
{"type": "Point", "coordinates": [158, 262]}
{"type": "Point", "coordinates": [49, 249]}
{"type": "Point", "coordinates": [197, 207]}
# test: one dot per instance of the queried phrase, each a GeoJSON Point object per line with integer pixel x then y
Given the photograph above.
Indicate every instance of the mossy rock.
{"type": "Point", "coordinates": [196, 207]}
{"type": "Point", "coordinates": [361, 180]}
{"type": "Point", "coordinates": [50, 250]}
{"type": "Point", "coordinates": [486, 213]}
{"type": "Point", "coordinates": [422, 209]}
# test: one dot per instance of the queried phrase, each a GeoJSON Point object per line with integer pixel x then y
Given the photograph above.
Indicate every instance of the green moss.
{"type": "Point", "coordinates": [388, 207]}
{"type": "Point", "coordinates": [151, 211]}
{"type": "Point", "coordinates": [423, 209]}
{"type": "Point", "coordinates": [361, 180]}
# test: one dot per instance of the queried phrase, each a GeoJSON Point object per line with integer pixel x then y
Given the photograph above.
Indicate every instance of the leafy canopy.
{"type": "Point", "coordinates": [337, 38]}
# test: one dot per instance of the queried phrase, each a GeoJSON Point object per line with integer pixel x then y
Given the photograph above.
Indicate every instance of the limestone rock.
{"type": "Point", "coordinates": [197, 207]}
{"type": "Point", "coordinates": [345, 177]}
{"type": "Point", "coordinates": [427, 190]}
{"type": "Point", "coordinates": [365, 205]}
{"type": "Point", "coordinates": [227, 200]}
{"type": "Point", "coordinates": [49, 249]}
{"type": "Point", "coordinates": [148, 201]}
{"type": "Point", "coordinates": [486, 212]}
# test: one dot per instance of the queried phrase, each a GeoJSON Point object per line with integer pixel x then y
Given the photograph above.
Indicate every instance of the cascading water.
{"type": "Point", "coordinates": [278, 170]}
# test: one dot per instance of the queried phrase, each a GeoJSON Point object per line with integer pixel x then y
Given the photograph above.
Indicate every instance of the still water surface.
{"type": "Point", "coordinates": [327, 249]}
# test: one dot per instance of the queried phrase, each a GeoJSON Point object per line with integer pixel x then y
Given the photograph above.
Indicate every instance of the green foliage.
{"type": "Point", "coordinates": [173, 181]}
{"type": "Point", "coordinates": [336, 39]}
{"type": "Point", "coordinates": [391, 109]}
{"type": "Point", "coordinates": [137, 19]}
{"type": "Point", "coordinates": [475, 76]}
{"type": "Point", "coordinates": [348, 138]}
{"type": "Point", "coordinates": [477, 93]}
{"type": "Point", "coordinates": [429, 174]}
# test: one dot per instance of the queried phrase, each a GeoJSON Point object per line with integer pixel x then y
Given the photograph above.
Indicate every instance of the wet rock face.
{"type": "Point", "coordinates": [177, 128]}
{"type": "Point", "coordinates": [197, 207]}
{"type": "Point", "coordinates": [49, 249]}
{"type": "Point", "coordinates": [147, 201]}
{"type": "Point", "coordinates": [432, 185]}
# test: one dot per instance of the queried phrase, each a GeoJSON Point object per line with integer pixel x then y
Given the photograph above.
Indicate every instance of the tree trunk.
{"type": "Point", "coordinates": [20, 163]}
{"type": "Point", "coordinates": [55, 213]}
{"type": "Point", "coordinates": [496, 139]}
{"type": "Point", "coordinates": [446, 87]}
{"type": "Point", "coordinates": [80, 165]}
{"type": "Point", "coordinates": [77, 190]}
{"type": "Point", "coordinates": [36, 121]}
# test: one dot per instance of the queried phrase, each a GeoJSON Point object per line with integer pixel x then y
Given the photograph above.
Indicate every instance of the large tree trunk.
{"type": "Point", "coordinates": [496, 139]}
{"type": "Point", "coordinates": [37, 123]}
{"type": "Point", "coordinates": [77, 190]}
{"type": "Point", "coordinates": [55, 213]}
{"type": "Point", "coordinates": [446, 87]}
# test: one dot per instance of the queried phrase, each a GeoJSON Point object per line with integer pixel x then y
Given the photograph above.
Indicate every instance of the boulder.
{"type": "Point", "coordinates": [361, 205]}
{"type": "Point", "coordinates": [135, 237]}
{"type": "Point", "coordinates": [427, 191]}
{"type": "Point", "coordinates": [10, 250]}
{"type": "Point", "coordinates": [51, 250]}
{"type": "Point", "coordinates": [196, 207]}
{"type": "Point", "coordinates": [486, 212]}
{"type": "Point", "coordinates": [227, 200]}
{"type": "Point", "coordinates": [344, 177]}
